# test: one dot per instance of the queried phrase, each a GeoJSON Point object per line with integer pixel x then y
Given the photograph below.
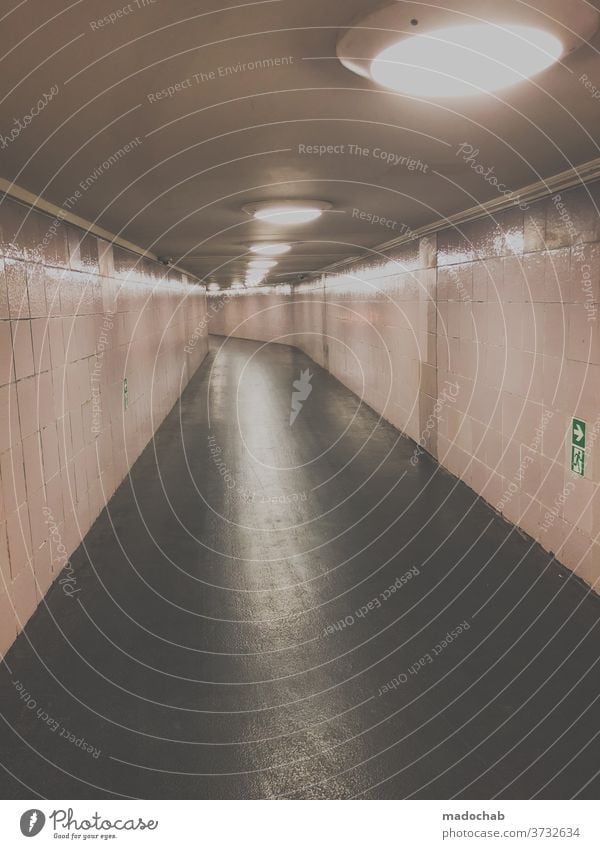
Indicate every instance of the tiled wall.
{"type": "Point", "coordinates": [310, 321]}
{"type": "Point", "coordinates": [518, 330]}
{"type": "Point", "coordinates": [482, 343]}
{"type": "Point", "coordinates": [77, 317]}
{"type": "Point", "coordinates": [380, 336]}
{"type": "Point", "coordinates": [265, 315]}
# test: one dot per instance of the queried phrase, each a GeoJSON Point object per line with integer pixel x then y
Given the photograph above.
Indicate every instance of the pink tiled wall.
{"type": "Point", "coordinates": [481, 343]}
{"type": "Point", "coordinates": [310, 321]}
{"type": "Point", "coordinates": [265, 315]}
{"type": "Point", "coordinates": [518, 330]}
{"type": "Point", "coordinates": [77, 316]}
{"type": "Point", "coordinates": [379, 330]}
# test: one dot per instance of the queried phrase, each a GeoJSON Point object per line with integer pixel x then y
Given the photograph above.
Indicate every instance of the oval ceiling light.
{"type": "Point", "coordinates": [254, 279]}
{"type": "Point", "coordinates": [465, 60]}
{"type": "Point", "coordinates": [262, 263]}
{"type": "Point", "coordinates": [287, 212]}
{"type": "Point", "coordinates": [270, 248]}
{"type": "Point", "coordinates": [284, 215]}
{"type": "Point", "coordinates": [470, 49]}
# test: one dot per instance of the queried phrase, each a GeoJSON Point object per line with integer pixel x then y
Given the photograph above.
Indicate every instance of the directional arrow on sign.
{"type": "Point", "coordinates": [578, 432]}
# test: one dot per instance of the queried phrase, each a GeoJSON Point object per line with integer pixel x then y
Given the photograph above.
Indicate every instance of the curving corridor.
{"type": "Point", "coordinates": [300, 422]}
{"type": "Point", "coordinates": [286, 599]}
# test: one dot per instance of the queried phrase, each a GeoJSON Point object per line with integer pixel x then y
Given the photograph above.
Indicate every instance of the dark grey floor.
{"type": "Point", "coordinates": [196, 660]}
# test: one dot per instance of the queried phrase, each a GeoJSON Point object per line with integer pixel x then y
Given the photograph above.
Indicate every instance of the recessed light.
{"type": "Point", "coordinates": [287, 212]}
{"type": "Point", "coordinates": [465, 60]}
{"type": "Point", "coordinates": [270, 248]}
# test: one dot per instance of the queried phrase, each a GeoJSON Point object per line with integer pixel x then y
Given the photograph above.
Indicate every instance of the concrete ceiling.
{"type": "Point", "coordinates": [228, 137]}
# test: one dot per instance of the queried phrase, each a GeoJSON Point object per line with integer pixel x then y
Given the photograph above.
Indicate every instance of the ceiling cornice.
{"type": "Point", "coordinates": [13, 190]}
{"type": "Point", "coordinates": [579, 175]}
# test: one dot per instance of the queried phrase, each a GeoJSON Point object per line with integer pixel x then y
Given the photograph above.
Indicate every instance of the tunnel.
{"type": "Point", "coordinates": [299, 406]}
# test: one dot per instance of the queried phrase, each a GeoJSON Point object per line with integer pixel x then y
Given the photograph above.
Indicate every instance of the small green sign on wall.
{"type": "Point", "coordinates": [125, 394]}
{"type": "Point", "coordinates": [578, 433]}
{"type": "Point", "coordinates": [578, 428]}
{"type": "Point", "coordinates": [577, 460]}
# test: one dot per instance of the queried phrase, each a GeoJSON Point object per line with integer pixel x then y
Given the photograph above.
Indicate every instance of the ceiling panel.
{"type": "Point", "coordinates": [167, 121]}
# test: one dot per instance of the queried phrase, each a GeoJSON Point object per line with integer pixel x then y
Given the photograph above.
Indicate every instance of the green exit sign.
{"type": "Point", "coordinates": [578, 428]}
{"type": "Point", "coordinates": [578, 433]}
{"type": "Point", "coordinates": [577, 460]}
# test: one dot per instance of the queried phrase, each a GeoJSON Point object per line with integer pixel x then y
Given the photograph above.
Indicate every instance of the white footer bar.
{"type": "Point", "coordinates": [290, 824]}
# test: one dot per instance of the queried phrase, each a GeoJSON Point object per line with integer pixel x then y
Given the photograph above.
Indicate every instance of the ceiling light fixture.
{"type": "Point", "coordinates": [465, 60]}
{"type": "Point", "coordinates": [270, 248]}
{"type": "Point", "coordinates": [287, 212]}
{"type": "Point", "coordinates": [262, 263]}
{"type": "Point", "coordinates": [254, 279]}
{"type": "Point", "coordinates": [472, 48]}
